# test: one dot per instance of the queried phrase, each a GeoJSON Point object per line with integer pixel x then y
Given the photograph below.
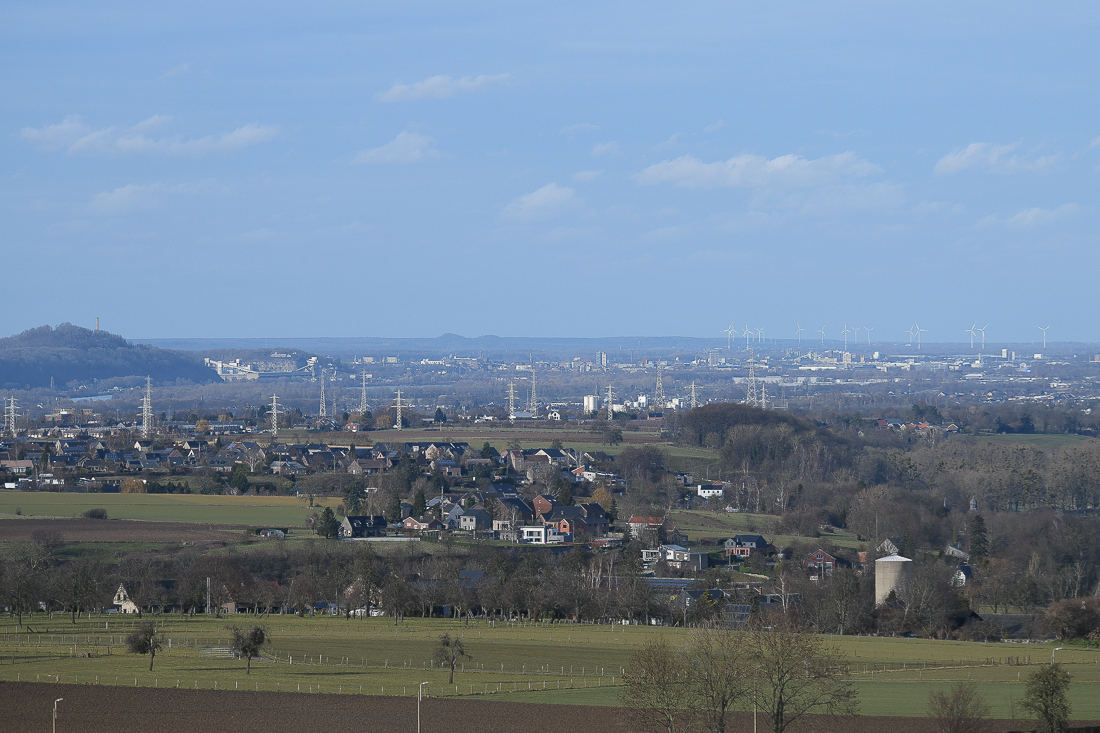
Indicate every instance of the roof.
{"type": "Point", "coordinates": [893, 558]}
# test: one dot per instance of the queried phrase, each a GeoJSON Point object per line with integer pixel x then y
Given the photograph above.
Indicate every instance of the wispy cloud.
{"type": "Point", "coordinates": [124, 199]}
{"type": "Point", "coordinates": [1031, 217]}
{"type": "Point", "coordinates": [755, 171]}
{"type": "Point", "coordinates": [1095, 142]}
{"type": "Point", "coordinates": [439, 87]}
{"type": "Point", "coordinates": [75, 137]}
{"type": "Point", "coordinates": [407, 147]}
{"type": "Point", "coordinates": [989, 157]}
{"type": "Point", "coordinates": [715, 126]}
{"type": "Point", "coordinates": [609, 148]}
{"type": "Point", "coordinates": [177, 71]}
{"type": "Point", "coordinates": [541, 204]}
{"type": "Point", "coordinates": [672, 140]}
{"type": "Point", "coordinates": [579, 127]}
{"type": "Point", "coordinates": [587, 176]}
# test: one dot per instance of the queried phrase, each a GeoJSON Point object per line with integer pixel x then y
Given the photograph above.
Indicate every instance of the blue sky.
{"type": "Point", "coordinates": [558, 169]}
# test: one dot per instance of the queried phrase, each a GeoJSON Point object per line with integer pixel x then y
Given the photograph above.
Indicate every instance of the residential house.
{"type": "Point", "coordinates": [420, 524]}
{"type": "Point", "coordinates": [363, 526]}
{"type": "Point", "coordinates": [544, 504]}
{"type": "Point", "coordinates": [474, 519]}
{"type": "Point", "coordinates": [122, 601]}
{"type": "Point", "coordinates": [543, 534]}
{"type": "Point", "coordinates": [711, 491]}
{"type": "Point", "coordinates": [682, 558]}
{"type": "Point", "coordinates": [820, 564]}
{"type": "Point", "coordinates": [743, 545]}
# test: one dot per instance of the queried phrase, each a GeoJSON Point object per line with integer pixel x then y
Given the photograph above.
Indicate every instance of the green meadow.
{"type": "Point", "coordinates": [552, 663]}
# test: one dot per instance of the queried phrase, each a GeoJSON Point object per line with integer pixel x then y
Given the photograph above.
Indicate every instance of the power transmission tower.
{"type": "Point", "coordinates": [610, 403]}
{"type": "Point", "coordinates": [694, 400]}
{"type": "Point", "coordinates": [512, 401]}
{"type": "Point", "coordinates": [147, 409]}
{"type": "Point", "coordinates": [659, 391]}
{"type": "Point", "coordinates": [10, 415]}
{"type": "Point", "coordinates": [363, 406]}
{"type": "Point", "coordinates": [533, 405]}
{"type": "Point", "coordinates": [751, 395]}
{"type": "Point", "coordinates": [274, 416]}
{"type": "Point", "coordinates": [398, 423]}
{"type": "Point", "coordinates": [323, 412]}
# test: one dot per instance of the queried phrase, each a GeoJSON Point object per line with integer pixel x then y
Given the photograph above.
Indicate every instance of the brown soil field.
{"type": "Point", "coordinates": [27, 707]}
{"type": "Point", "coordinates": [113, 530]}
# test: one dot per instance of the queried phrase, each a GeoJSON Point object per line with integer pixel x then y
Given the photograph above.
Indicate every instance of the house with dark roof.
{"type": "Point", "coordinates": [363, 526]}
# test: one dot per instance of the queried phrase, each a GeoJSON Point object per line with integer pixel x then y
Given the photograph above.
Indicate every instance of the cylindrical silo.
{"type": "Point", "coordinates": [892, 573]}
{"type": "Point", "coordinates": [591, 404]}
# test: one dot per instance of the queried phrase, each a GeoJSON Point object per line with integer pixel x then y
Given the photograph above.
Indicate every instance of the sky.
{"type": "Point", "coordinates": [551, 169]}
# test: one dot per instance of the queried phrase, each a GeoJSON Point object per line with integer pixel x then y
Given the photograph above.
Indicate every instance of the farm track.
{"type": "Point", "coordinates": [94, 709]}
{"type": "Point", "coordinates": [117, 530]}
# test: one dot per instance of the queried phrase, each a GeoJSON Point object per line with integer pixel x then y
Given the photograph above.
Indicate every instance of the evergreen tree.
{"type": "Point", "coordinates": [393, 511]}
{"type": "Point", "coordinates": [327, 526]}
{"type": "Point", "coordinates": [979, 538]}
{"type": "Point", "coordinates": [420, 503]}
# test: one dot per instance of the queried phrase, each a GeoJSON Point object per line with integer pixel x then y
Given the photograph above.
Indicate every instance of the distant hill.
{"type": "Point", "coordinates": [69, 353]}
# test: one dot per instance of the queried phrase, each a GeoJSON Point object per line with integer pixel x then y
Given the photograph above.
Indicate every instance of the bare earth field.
{"type": "Point", "coordinates": [113, 530]}
{"type": "Point", "coordinates": [92, 709]}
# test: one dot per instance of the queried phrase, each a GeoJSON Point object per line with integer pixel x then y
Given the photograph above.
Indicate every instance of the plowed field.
{"type": "Point", "coordinates": [114, 530]}
{"type": "Point", "coordinates": [26, 707]}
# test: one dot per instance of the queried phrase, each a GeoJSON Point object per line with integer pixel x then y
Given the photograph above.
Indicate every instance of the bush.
{"type": "Point", "coordinates": [99, 513]}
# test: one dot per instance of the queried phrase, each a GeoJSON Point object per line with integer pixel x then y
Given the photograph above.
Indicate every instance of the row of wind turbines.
{"type": "Point", "coordinates": [757, 334]}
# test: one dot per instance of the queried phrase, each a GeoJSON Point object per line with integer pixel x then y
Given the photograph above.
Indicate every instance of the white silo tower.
{"type": "Point", "coordinates": [892, 573]}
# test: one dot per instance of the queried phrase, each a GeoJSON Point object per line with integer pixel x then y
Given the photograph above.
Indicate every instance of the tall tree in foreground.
{"type": "Point", "coordinates": [721, 674]}
{"type": "Point", "coordinates": [145, 640]}
{"type": "Point", "coordinates": [448, 652]}
{"type": "Point", "coordinates": [797, 673]}
{"type": "Point", "coordinates": [1045, 698]}
{"type": "Point", "coordinates": [247, 643]}
{"type": "Point", "coordinates": [959, 709]}
{"type": "Point", "coordinates": [658, 692]}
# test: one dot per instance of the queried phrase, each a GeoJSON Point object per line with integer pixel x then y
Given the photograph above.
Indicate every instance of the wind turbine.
{"type": "Point", "coordinates": [846, 331]}
{"type": "Point", "coordinates": [760, 335]}
{"type": "Point", "coordinates": [868, 329]}
{"type": "Point", "coordinates": [746, 334]}
{"type": "Point", "coordinates": [730, 332]}
{"type": "Point", "coordinates": [972, 331]}
{"type": "Point", "coordinates": [855, 337]}
{"type": "Point", "coordinates": [798, 332]}
{"type": "Point", "coordinates": [1044, 330]}
{"type": "Point", "coordinates": [911, 334]}
{"type": "Point", "coordinates": [918, 331]}
{"type": "Point", "coordinates": [982, 329]}
{"type": "Point", "coordinates": [822, 332]}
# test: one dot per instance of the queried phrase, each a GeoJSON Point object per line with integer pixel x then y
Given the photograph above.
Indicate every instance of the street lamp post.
{"type": "Point", "coordinates": [419, 696]}
{"type": "Point", "coordinates": [755, 674]}
{"type": "Point", "coordinates": [1058, 649]}
{"type": "Point", "coordinates": [55, 713]}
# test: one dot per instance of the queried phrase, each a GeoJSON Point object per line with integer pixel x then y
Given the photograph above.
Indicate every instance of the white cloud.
{"type": "Point", "coordinates": [715, 126]}
{"type": "Point", "coordinates": [177, 71]}
{"type": "Point", "coordinates": [587, 176]}
{"type": "Point", "coordinates": [124, 199]}
{"type": "Point", "coordinates": [540, 204]}
{"type": "Point", "coordinates": [1095, 142]}
{"type": "Point", "coordinates": [611, 148]}
{"type": "Point", "coordinates": [755, 171]}
{"type": "Point", "coordinates": [407, 147]}
{"type": "Point", "coordinates": [439, 87]}
{"type": "Point", "coordinates": [672, 140]}
{"type": "Point", "coordinates": [986, 156]}
{"type": "Point", "coordinates": [76, 137]}
{"type": "Point", "coordinates": [1031, 217]}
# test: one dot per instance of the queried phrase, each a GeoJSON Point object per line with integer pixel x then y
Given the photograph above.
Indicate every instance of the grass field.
{"type": "Point", "coordinates": [1042, 441]}
{"type": "Point", "coordinates": [253, 511]}
{"type": "Point", "coordinates": [561, 663]}
{"type": "Point", "coordinates": [700, 523]}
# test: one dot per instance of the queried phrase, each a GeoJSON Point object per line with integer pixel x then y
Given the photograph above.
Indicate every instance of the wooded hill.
{"type": "Point", "coordinates": [70, 353]}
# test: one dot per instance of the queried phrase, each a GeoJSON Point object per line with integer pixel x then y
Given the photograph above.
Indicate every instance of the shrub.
{"type": "Point", "coordinates": [98, 513]}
